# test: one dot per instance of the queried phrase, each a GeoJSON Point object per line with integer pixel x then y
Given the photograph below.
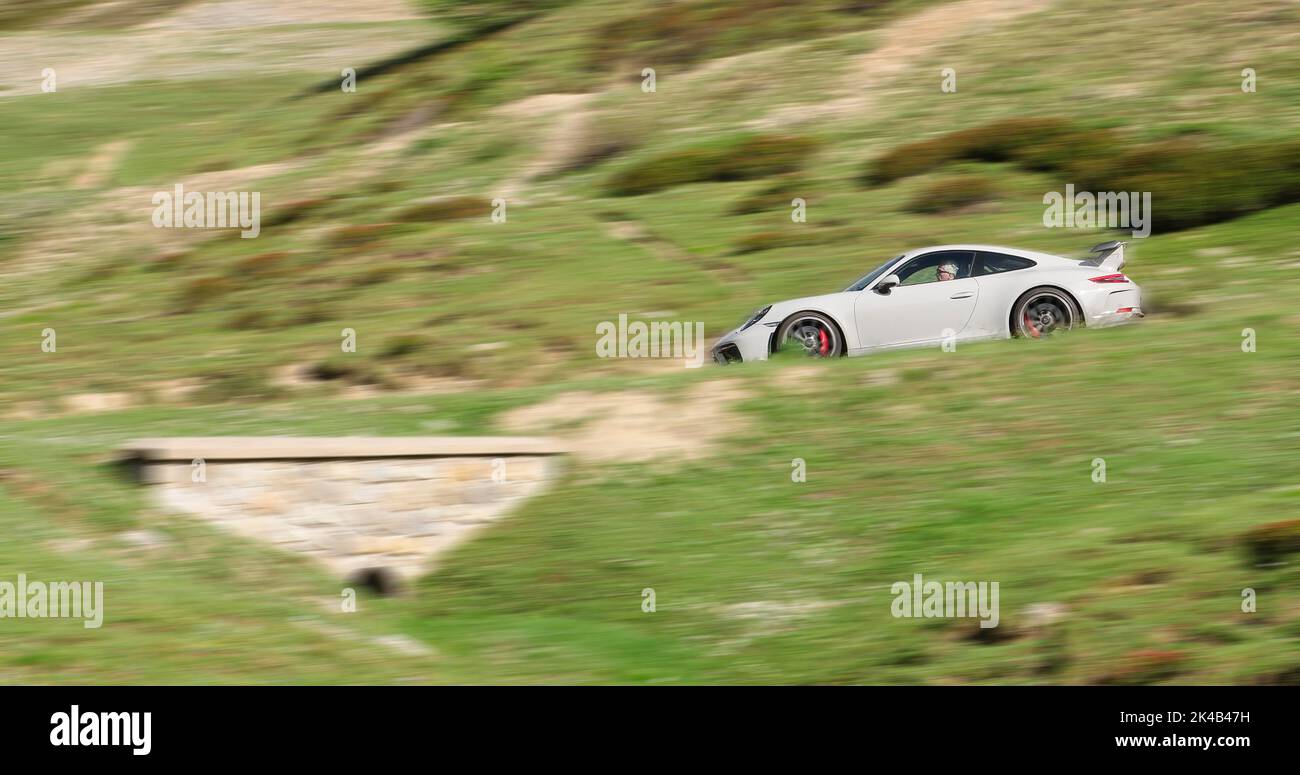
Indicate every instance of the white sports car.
{"type": "Point", "coordinates": [946, 293]}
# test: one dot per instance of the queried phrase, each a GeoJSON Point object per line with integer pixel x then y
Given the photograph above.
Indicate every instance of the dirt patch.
{"type": "Point", "coordinates": [563, 142]}
{"type": "Point", "coordinates": [251, 37]}
{"type": "Point", "coordinates": [123, 217]}
{"type": "Point", "coordinates": [304, 376]}
{"type": "Point", "coordinates": [765, 618]}
{"type": "Point", "coordinates": [802, 379]}
{"type": "Point", "coordinates": [265, 13]}
{"type": "Point", "coordinates": [636, 426]}
{"type": "Point", "coordinates": [83, 403]}
{"type": "Point", "coordinates": [175, 391]}
{"type": "Point", "coordinates": [101, 164]}
{"type": "Point", "coordinates": [901, 44]}
{"type": "Point", "coordinates": [27, 410]}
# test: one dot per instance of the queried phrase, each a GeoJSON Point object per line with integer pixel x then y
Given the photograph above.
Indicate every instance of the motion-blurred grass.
{"type": "Point", "coordinates": [974, 465]}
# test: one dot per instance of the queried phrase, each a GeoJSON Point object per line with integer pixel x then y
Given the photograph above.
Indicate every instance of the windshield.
{"type": "Point", "coordinates": [878, 271]}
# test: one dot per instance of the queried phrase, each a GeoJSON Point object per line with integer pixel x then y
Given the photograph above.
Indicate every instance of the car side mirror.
{"type": "Point", "coordinates": [886, 285]}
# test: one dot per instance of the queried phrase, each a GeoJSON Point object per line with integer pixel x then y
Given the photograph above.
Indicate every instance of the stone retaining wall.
{"type": "Point", "coordinates": [367, 508]}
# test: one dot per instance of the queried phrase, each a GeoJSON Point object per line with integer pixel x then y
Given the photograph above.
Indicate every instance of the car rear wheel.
{"type": "Point", "coordinates": [1044, 312]}
{"type": "Point", "coordinates": [811, 333]}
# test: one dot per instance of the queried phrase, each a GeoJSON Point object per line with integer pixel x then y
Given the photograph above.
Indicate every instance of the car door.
{"type": "Point", "coordinates": [922, 308]}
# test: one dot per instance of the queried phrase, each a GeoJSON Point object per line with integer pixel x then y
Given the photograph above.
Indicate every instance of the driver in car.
{"type": "Point", "coordinates": [946, 271]}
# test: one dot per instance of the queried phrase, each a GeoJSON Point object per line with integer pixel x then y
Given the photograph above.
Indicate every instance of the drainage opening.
{"type": "Point", "coordinates": [380, 581]}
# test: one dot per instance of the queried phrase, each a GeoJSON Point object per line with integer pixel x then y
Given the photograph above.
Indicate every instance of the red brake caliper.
{"type": "Point", "coordinates": [1033, 329]}
{"type": "Point", "coordinates": [826, 342]}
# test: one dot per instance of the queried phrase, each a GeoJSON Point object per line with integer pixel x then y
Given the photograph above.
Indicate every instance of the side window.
{"type": "Point", "coordinates": [997, 263]}
{"type": "Point", "coordinates": [925, 269]}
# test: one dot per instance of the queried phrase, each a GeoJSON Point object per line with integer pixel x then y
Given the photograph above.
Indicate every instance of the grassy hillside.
{"type": "Point", "coordinates": [967, 465]}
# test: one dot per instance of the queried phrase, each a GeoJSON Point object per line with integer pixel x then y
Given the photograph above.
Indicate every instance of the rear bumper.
{"type": "Point", "coordinates": [1115, 307]}
{"type": "Point", "coordinates": [1116, 318]}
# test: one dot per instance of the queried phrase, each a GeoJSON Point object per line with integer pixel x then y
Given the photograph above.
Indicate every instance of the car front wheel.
{"type": "Point", "coordinates": [812, 333]}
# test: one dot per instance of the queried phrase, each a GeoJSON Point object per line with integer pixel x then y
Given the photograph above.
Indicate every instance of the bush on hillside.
{"type": "Point", "coordinates": [794, 235]}
{"type": "Point", "coordinates": [477, 14]}
{"type": "Point", "coordinates": [262, 264]}
{"type": "Point", "coordinates": [1271, 543]}
{"type": "Point", "coordinates": [202, 291]}
{"type": "Point", "coordinates": [743, 158]}
{"type": "Point", "coordinates": [997, 141]}
{"type": "Point", "coordinates": [1191, 182]}
{"type": "Point", "coordinates": [238, 384]}
{"type": "Point", "coordinates": [446, 208]}
{"type": "Point", "coordinates": [404, 345]}
{"type": "Point", "coordinates": [952, 192]}
{"type": "Point", "coordinates": [359, 234]}
{"type": "Point", "coordinates": [682, 32]}
{"type": "Point", "coordinates": [293, 211]}
{"type": "Point", "coordinates": [776, 195]}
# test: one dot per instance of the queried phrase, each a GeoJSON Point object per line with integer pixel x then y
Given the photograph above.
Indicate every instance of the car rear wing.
{"type": "Point", "coordinates": [1107, 255]}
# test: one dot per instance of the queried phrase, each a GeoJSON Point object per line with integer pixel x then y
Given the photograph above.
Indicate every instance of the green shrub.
{"type": "Point", "coordinates": [950, 193]}
{"type": "Point", "coordinates": [791, 236]}
{"type": "Point", "coordinates": [688, 31]}
{"type": "Point", "coordinates": [743, 158]}
{"type": "Point", "coordinates": [336, 367]}
{"type": "Point", "coordinates": [376, 275]}
{"type": "Point", "coordinates": [1005, 140]}
{"type": "Point", "coordinates": [165, 261]}
{"type": "Point", "coordinates": [249, 319]}
{"type": "Point", "coordinates": [776, 195]}
{"type": "Point", "coordinates": [404, 345]}
{"type": "Point", "coordinates": [474, 14]}
{"type": "Point", "coordinates": [201, 292]}
{"type": "Point", "coordinates": [262, 264]}
{"type": "Point", "coordinates": [238, 385]}
{"type": "Point", "coordinates": [446, 208]}
{"type": "Point", "coordinates": [359, 234]}
{"type": "Point", "coordinates": [1192, 183]}
{"type": "Point", "coordinates": [1145, 666]}
{"type": "Point", "coordinates": [1271, 543]}
{"type": "Point", "coordinates": [293, 211]}
{"type": "Point", "coordinates": [309, 310]}
{"type": "Point", "coordinates": [912, 159]}
{"type": "Point", "coordinates": [998, 141]}
{"type": "Point", "coordinates": [1075, 152]}
{"type": "Point", "coordinates": [349, 368]}
{"type": "Point", "coordinates": [768, 240]}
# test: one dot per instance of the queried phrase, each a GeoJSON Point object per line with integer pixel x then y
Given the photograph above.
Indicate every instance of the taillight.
{"type": "Point", "coordinates": [1118, 277]}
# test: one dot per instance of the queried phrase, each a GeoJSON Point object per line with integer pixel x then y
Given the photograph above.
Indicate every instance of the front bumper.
{"type": "Point", "coordinates": [727, 353]}
{"type": "Point", "coordinates": [738, 346]}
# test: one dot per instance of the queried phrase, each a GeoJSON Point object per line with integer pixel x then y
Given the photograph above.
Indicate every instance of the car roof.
{"type": "Point", "coordinates": [991, 248]}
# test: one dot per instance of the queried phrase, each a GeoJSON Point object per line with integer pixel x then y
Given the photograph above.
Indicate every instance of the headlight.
{"type": "Point", "coordinates": [757, 316]}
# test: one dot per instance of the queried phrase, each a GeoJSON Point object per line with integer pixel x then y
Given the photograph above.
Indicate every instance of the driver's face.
{"type": "Point", "coordinates": [945, 275]}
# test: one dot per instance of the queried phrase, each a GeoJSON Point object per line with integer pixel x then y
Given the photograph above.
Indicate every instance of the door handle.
{"type": "Point", "coordinates": [962, 295]}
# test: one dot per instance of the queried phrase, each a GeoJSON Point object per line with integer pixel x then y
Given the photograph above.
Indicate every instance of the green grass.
{"type": "Point", "coordinates": [973, 465]}
{"type": "Point", "coordinates": [964, 470]}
